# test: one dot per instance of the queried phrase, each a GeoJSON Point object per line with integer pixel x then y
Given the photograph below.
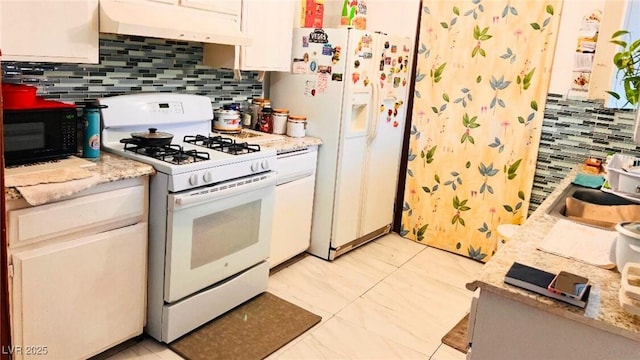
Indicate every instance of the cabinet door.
{"type": "Point", "coordinates": [291, 233]}
{"type": "Point", "coordinates": [80, 297]}
{"type": "Point", "coordinates": [269, 23]}
{"type": "Point", "coordinates": [49, 31]}
{"type": "Point", "coordinates": [232, 7]}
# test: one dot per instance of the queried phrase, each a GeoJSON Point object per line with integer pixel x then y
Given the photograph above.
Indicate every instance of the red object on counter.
{"type": "Point", "coordinates": [23, 97]}
{"type": "Point", "coordinates": [265, 122]}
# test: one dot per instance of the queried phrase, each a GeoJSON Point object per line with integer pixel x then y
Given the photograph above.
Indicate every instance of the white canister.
{"type": "Point", "coordinates": [297, 126]}
{"type": "Point", "coordinates": [627, 244]}
{"type": "Point", "coordinates": [280, 118]}
{"type": "Point", "coordinates": [227, 120]}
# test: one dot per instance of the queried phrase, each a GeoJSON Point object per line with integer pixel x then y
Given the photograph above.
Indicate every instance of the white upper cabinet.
{"type": "Point", "coordinates": [172, 2]}
{"type": "Point", "coordinates": [208, 21]}
{"type": "Point", "coordinates": [269, 25]}
{"type": "Point", "coordinates": [49, 31]}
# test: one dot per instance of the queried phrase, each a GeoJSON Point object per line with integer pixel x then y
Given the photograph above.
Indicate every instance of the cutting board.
{"type": "Point", "coordinates": [580, 242]}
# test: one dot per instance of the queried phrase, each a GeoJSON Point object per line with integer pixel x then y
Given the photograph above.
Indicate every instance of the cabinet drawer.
{"type": "Point", "coordinates": [84, 215]}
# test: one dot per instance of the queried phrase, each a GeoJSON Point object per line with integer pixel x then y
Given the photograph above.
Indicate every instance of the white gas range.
{"type": "Point", "coordinates": [210, 208]}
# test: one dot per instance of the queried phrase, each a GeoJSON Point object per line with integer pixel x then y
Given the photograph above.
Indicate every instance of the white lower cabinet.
{"type": "Point", "coordinates": [295, 187]}
{"type": "Point", "coordinates": [292, 222]}
{"type": "Point", "coordinates": [75, 296]}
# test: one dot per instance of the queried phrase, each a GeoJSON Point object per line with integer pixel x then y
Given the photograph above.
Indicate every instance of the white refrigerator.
{"type": "Point", "coordinates": [352, 85]}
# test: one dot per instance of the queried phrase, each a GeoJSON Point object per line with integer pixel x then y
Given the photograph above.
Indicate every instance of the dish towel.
{"type": "Point", "coordinates": [580, 242]}
{"type": "Point", "coordinates": [45, 193]}
{"type": "Point", "coordinates": [590, 181]}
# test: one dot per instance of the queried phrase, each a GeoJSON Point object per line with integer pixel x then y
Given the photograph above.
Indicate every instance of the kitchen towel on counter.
{"type": "Point", "coordinates": [71, 168]}
{"type": "Point", "coordinates": [45, 193]}
{"type": "Point", "coordinates": [580, 242]}
{"type": "Point", "coordinates": [46, 177]}
{"type": "Point", "coordinates": [590, 181]}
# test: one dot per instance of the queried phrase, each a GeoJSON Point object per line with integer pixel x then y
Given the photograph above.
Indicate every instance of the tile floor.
{"type": "Point", "coordinates": [389, 299]}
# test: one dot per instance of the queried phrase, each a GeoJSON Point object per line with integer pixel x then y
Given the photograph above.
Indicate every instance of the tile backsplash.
{"type": "Point", "coordinates": [130, 64]}
{"type": "Point", "coordinates": [573, 130]}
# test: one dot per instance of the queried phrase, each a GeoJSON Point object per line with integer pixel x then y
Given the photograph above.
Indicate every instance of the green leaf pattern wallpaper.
{"type": "Point", "coordinates": [481, 83]}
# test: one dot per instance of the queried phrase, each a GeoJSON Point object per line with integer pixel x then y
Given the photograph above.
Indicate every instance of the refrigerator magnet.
{"type": "Point", "coordinates": [327, 50]}
{"type": "Point", "coordinates": [305, 41]}
{"type": "Point", "coordinates": [336, 54]}
{"type": "Point", "coordinates": [318, 36]}
{"type": "Point", "coordinates": [299, 67]}
{"type": "Point", "coordinates": [355, 77]}
{"type": "Point", "coordinates": [336, 77]}
{"type": "Point", "coordinates": [323, 83]}
{"type": "Point", "coordinates": [310, 88]}
{"type": "Point", "coordinates": [313, 66]}
{"type": "Point", "coordinates": [324, 69]}
{"type": "Point", "coordinates": [394, 49]}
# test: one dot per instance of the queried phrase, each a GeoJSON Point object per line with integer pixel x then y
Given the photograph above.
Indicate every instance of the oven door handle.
{"type": "Point", "coordinates": [223, 190]}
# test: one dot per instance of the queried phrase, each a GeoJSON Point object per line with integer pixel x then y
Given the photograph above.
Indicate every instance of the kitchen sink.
{"type": "Point", "coordinates": [597, 208]}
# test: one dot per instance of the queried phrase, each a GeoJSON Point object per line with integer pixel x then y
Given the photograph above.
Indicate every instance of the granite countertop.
{"type": "Point", "coordinates": [603, 309]}
{"type": "Point", "coordinates": [287, 143]}
{"type": "Point", "coordinates": [111, 168]}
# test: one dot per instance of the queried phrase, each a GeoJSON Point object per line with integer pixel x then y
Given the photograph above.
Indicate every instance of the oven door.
{"type": "Point", "coordinates": [216, 232]}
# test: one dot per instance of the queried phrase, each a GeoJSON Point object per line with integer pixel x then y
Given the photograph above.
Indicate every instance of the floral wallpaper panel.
{"type": "Point", "coordinates": [481, 84]}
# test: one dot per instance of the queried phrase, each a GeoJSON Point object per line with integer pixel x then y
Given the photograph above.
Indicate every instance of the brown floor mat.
{"type": "Point", "coordinates": [252, 330]}
{"type": "Point", "coordinates": [457, 337]}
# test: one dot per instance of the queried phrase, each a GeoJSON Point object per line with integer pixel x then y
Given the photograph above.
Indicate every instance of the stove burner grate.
{"type": "Point", "coordinates": [172, 153]}
{"type": "Point", "coordinates": [222, 144]}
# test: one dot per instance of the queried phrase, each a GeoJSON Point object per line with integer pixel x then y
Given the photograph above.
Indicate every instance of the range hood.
{"type": "Point", "coordinates": [143, 18]}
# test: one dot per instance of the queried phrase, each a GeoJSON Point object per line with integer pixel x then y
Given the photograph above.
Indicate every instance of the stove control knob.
{"type": "Point", "coordinates": [193, 179]}
{"type": "Point", "coordinates": [265, 165]}
{"type": "Point", "coordinates": [208, 177]}
{"type": "Point", "coordinates": [255, 167]}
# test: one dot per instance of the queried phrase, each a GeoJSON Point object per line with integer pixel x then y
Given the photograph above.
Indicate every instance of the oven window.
{"type": "Point", "coordinates": [223, 233]}
{"type": "Point", "coordinates": [24, 136]}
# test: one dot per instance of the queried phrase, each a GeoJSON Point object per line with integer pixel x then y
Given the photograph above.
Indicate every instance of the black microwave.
{"type": "Point", "coordinates": [48, 130]}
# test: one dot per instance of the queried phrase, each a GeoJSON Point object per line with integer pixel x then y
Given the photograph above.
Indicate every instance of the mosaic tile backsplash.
{"type": "Point", "coordinates": [130, 64]}
{"type": "Point", "coordinates": [572, 131]}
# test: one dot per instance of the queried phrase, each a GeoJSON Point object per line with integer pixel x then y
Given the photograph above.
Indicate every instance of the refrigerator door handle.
{"type": "Point", "coordinates": [372, 131]}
